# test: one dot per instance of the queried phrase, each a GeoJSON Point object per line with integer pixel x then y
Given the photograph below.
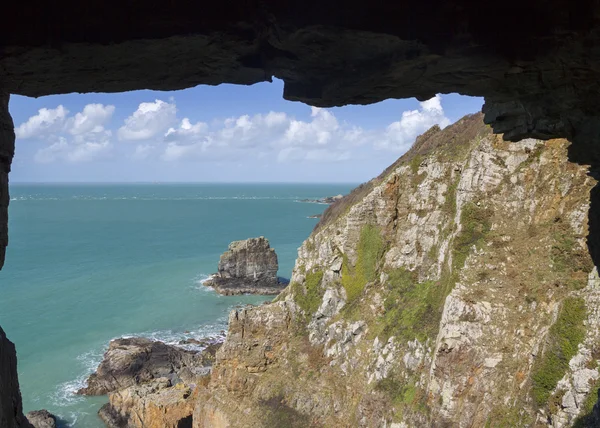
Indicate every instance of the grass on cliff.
{"type": "Point", "coordinates": [563, 339]}
{"type": "Point", "coordinates": [572, 262]}
{"type": "Point", "coordinates": [413, 309]}
{"type": "Point", "coordinates": [309, 297]}
{"type": "Point", "coordinates": [369, 251]}
{"type": "Point", "coordinates": [476, 224]}
{"type": "Point", "coordinates": [586, 418]}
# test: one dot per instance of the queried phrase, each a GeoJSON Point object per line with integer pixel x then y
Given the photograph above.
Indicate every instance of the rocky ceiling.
{"type": "Point", "coordinates": [537, 62]}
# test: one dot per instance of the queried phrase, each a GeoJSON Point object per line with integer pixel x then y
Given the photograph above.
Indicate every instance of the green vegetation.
{"type": "Point", "coordinates": [585, 420]}
{"type": "Point", "coordinates": [415, 163]}
{"type": "Point", "coordinates": [412, 309]}
{"type": "Point", "coordinates": [569, 260]}
{"type": "Point", "coordinates": [565, 335]}
{"type": "Point", "coordinates": [369, 251]}
{"type": "Point", "coordinates": [509, 417]}
{"type": "Point", "coordinates": [310, 298]}
{"type": "Point", "coordinates": [450, 201]}
{"type": "Point", "coordinates": [399, 392]}
{"type": "Point", "coordinates": [476, 225]}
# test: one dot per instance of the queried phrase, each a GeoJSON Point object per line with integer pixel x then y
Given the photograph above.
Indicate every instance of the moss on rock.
{"type": "Point", "coordinates": [370, 250]}
{"type": "Point", "coordinates": [563, 339]}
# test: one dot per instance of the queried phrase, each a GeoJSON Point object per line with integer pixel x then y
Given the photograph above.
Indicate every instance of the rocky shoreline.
{"type": "Point", "coordinates": [247, 267]}
{"type": "Point", "coordinates": [149, 383]}
{"type": "Point", "coordinates": [237, 287]}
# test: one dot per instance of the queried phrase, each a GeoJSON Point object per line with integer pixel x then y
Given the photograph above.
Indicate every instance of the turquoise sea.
{"type": "Point", "coordinates": [89, 263]}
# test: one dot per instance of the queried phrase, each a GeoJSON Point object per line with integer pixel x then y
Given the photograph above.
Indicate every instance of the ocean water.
{"type": "Point", "coordinates": [89, 263]}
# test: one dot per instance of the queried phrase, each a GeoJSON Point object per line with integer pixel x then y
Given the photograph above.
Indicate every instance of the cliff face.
{"type": "Point", "coordinates": [11, 407]}
{"type": "Point", "coordinates": [455, 289]}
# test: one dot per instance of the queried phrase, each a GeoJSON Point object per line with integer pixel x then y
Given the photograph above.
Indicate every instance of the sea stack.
{"type": "Point", "coordinates": [247, 267]}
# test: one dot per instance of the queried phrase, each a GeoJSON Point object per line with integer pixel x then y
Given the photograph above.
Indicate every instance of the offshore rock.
{"type": "Point", "coordinates": [41, 419]}
{"type": "Point", "coordinates": [137, 360]}
{"type": "Point", "coordinates": [247, 267]}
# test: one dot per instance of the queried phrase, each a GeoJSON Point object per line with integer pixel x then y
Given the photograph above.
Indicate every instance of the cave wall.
{"type": "Point", "coordinates": [536, 62]}
{"type": "Point", "coordinates": [11, 407]}
{"type": "Point", "coordinates": [7, 150]}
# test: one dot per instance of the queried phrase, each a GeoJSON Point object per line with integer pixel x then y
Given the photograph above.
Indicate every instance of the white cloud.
{"type": "Point", "coordinates": [274, 135]}
{"type": "Point", "coordinates": [90, 119]}
{"type": "Point", "coordinates": [321, 139]}
{"type": "Point", "coordinates": [186, 131]}
{"type": "Point", "coordinates": [43, 124]}
{"type": "Point", "coordinates": [148, 121]}
{"type": "Point", "coordinates": [319, 131]}
{"type": "Point", "coordinates": [95, 147]}
{"type": "Point", "coordinates": [400, 135]}
{"type": "Point", "coordinates": [80, 138]}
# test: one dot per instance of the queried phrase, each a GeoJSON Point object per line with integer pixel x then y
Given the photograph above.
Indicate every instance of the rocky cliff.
{"type": "Point", "coordinates": [248, 266]}
{"type": "Point", "coordinates": [455, 289]}
{"type": "Point", "coordinates": [11, 406]}
{"type": "Point", "coordinates": [150, 384]}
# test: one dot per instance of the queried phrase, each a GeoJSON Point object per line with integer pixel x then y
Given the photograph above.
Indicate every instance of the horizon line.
{"type": "Point", "coordinates": [184, 182]}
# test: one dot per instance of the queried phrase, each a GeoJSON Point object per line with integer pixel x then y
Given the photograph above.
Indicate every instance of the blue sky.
{"type": "Point", "coordinates": [223, 133]}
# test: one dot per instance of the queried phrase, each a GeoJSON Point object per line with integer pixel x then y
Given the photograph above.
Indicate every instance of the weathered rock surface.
{"type": "Point", "coordinates": [11, 406]}
{"type": "Point", "coordinates": [156, 404]}
{"type": "Point", "coordinates": [432, 296]}
{"type": "Point", "coordinates": [136, 360]}
{"type": "Point", "coordinates": [247, 267]}
{"type": "Point", "coordinates": [41, 419]}
{"type": "Point", "coordinates": [151, 384]}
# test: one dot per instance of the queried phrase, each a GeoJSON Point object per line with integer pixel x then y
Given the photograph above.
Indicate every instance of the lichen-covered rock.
{"type": "Point", "coordinates": [248, 266]}
{"type": "Point", "coordinates": [41, 419]}
{"type": "Point", "coordinates": [11, 406]}
{"type": "Point", "coordinates": [455, 289]}
{"type": "Point", "coordinates": [133, 361]}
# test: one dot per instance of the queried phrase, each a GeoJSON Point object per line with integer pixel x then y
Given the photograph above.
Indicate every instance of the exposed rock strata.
{"type": "Point", "coordinates": [11, 406]}
{"type": "Point", "coordinates": [156, 404]}
{"type": "Point", "coordinates": [446, 319]}
{"type": "Point", "coordinates": [247, 267]}
{"type": "Point", "coordinates": [150, 384]}
{"type": "Point", "coordinates": [41, 419]}
{"type": "Point", "coordinates": [137, 360]}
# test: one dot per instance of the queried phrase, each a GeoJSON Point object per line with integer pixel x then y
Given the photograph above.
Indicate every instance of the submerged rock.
{"type": "Point", "coordinates": [41, 419]}
{"type": "Point", "coordinates": [137, 360]}
{"type": "Point", "coordinates": [247, 267]}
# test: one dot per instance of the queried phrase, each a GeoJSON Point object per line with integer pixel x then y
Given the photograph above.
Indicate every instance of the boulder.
{"type": "Point", "coordinates": [137, 360]}
{"type": "Point", "coordinates": [247, 267]}
{"type": "Point", "coordinates": [41, 419]}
